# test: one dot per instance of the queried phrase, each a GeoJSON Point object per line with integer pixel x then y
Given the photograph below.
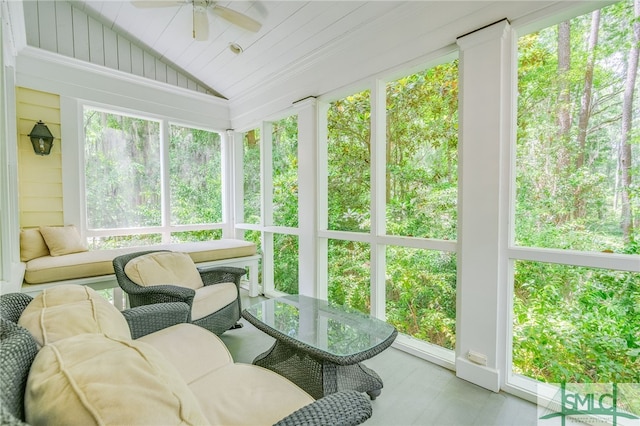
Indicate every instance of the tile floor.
{"type": "Point", "coordinates": [415, 392]}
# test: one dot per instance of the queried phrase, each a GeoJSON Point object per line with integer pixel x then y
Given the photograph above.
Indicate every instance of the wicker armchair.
{"type": "Point", "coordinates": [218, 321]}
{"type": "Point", "coordinates": [18, 349]}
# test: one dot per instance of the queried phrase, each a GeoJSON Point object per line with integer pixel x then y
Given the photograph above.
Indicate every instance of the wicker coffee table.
{"type": "Point", "coordinates": [320, 346]}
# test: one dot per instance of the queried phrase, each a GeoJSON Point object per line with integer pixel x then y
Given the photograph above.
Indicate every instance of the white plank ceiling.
{"type": "Point", "coordinates": [340, 38]}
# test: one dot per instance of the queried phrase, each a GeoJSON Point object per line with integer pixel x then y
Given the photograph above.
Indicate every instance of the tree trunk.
{"type": "Point", "coordinates": [625, 153]}
{"type": "Point", "coordinates": [564, 65]}
{"type": "Point", "coordinates": [251, 138]}
{"type": "Point", "coordinates": [560, 145]}
{"type": "Point", "coordinates": [585, 104]}
{"type": "Point", "coordinates": [585, 109]}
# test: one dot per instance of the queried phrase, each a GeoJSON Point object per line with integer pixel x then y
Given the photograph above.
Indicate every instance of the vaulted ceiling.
{"type": "Point", "coordinates": [304, 48]}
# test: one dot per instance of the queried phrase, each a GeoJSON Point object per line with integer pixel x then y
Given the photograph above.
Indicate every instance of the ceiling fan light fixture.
{"type": "Point", "coordinates": [200, 23]}
{"type": "Point", "coordinates": [235, 48]}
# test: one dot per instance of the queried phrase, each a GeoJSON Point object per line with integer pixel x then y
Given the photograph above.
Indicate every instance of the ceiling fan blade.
{"type": "Point", "coordinates": [157, 3]}
{"type": "Point", "coordinates": [237, 18]}
{"type": "Point", "coordinates": [200, 24]}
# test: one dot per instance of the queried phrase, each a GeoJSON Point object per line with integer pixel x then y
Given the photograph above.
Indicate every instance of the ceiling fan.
{"type": "Point", "coordinates": [200, 16]}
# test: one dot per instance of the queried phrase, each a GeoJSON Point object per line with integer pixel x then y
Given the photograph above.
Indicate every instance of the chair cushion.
{"type": "Point", "coordinates": [212, 298]}
{"type": "Point", "coordinates": [160, 268]}
{"type": "Point", "coordinates": [68, 310]}
{"type": "Point", "coordinates": [192, 350]}
{"type": "Point", "coordinates": [247, 395]}
{"type": "Point", "coordinates": [93, 379]}
{"type": "Point", "coordinates": [63, 240]}
{"type": "Point", "coordinates": [32, 245]}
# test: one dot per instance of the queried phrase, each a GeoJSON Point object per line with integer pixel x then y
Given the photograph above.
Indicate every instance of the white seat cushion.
{"type": "Point", "coordinates": [192, 350]}
{"type": "Point", "coordinates": [212, 298]}
{"type": "Point", "coordinates": [247, 395]}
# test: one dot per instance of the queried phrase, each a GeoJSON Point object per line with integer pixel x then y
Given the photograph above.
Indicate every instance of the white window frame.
{"type": "Point", "coordinates": [165, 229]}
{"type": "Point", "coordinates": [481, 328]}
{"type": "Point", "coordinates": [266, 226]}
{"type": "Point", "coordinates": [522, 386]}
{"type": "Point", "coordinates": [376, 237]}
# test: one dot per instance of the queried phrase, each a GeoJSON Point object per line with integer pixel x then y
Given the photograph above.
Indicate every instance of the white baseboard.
{"type": "Point", "coordinates": [488, 378]}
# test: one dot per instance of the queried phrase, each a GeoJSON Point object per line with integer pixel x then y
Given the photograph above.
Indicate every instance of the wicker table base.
{"type": "Point", "coordinates": [318, 377]}
{"type": "Point", "coordinates": [319, 371]}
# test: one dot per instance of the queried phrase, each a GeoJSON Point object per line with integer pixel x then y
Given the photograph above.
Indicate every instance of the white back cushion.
{"type": "Point", "coordinates": [164, 268]}
{"type": "Point", "coordinates": [68, 310]}
{"type": "Point", "coordinates": [91, 379]}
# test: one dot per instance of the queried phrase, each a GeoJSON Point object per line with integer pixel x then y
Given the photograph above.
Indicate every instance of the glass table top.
{"type": "Point", "coordinates": [335, 329]}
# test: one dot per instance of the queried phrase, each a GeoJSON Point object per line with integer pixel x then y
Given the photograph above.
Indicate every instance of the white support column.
{"type": "Point", "coordinates": [322, 254]}
{"type": "Point", "coordinates": [165, 134]}
{"type": "Point", "coordinates": [266, 177]}
{"type": "Point", "coordinates": [486, 67]}
{"type": "Point", "coordinates": [73, 191]}
{"type": "Point", "coordinates": [307, 195]}
{"type": "Point", "coordinates": [11, 269]}
{"type": "Point", "coordinates": [228, 188]}
{"type": "Point", "coordinates": [378, 197]}
{"type": "Point", "coordinates": [237, 182]}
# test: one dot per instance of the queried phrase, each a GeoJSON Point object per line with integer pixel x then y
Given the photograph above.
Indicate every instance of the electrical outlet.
{"type": "Point", "coordinates": [477, 358]}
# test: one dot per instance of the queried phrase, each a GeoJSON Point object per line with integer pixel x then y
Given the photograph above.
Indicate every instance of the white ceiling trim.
{"type": "Point", "coordinates": [68, 77]}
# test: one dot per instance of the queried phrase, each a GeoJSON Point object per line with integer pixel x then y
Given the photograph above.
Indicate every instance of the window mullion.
{"type": "Point", "coordinates": [378, 199]}
{"type": "Point", "coordinates": [165, 197]}
{"type": "Point", "coordinates": [266, 168]}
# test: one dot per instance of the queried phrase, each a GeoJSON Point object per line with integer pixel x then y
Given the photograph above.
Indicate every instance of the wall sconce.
{"type": "Point", "coordinates": [41, 138]}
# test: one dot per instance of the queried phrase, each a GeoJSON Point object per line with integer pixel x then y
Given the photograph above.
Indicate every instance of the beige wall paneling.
{"type": "Point", "coordinates": [39, 177]}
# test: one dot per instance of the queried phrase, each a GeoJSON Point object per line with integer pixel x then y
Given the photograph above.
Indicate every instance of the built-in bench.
{"type": "Point", "coordinates": [94, 268]}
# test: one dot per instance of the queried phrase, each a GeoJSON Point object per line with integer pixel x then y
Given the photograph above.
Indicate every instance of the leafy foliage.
{"type": "Point", "coordinates": [570, 323]}
{"type": "Point", "coordinates": [574, 191]}
{"type": "Point", "coordinates": [195, 171]}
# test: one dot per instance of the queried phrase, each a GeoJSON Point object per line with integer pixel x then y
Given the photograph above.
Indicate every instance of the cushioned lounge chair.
{"type": "Point", "coordinates": [159, 322]}
{"type": "Point", "coordinates": [160, 276]}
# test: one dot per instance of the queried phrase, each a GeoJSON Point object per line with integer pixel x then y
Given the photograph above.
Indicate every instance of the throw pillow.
{"type": "Point", "coordinates": [63, 239]}
{"type": "Point", "coordinates": [68, 310]}
{"type": "Point", "coordinates": [91, 379]}
{"type": "Point", "coordinates": [32, 245]}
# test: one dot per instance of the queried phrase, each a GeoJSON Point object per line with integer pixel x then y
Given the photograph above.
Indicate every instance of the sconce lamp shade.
{"type": "Point", "coordinates": [41, 139]}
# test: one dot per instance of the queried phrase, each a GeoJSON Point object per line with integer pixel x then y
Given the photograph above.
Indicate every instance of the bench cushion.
{"type": "Point", "coordinates": [100, 262]}
{"type": "Point", "coordinates": [68, 310]}
{"type": "Point", "coordinates": [77, 265]}
{"type": "Point", "coordinates": [93, 379]}
{"type": "Point", "coordinates": [208, 251]}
